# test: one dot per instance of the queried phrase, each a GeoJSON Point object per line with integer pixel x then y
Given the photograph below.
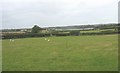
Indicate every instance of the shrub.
{"type": "Point", "coordinates": [75, 32]}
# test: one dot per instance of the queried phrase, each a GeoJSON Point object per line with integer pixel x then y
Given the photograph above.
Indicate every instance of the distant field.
{"type": "Point", "coordinates": [98, 31]}
{"type": "Point", "coordinates": [71, 53]}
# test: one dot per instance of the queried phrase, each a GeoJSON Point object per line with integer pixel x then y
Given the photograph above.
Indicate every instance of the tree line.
{"type": "Point", "coordinates": [36, 31]}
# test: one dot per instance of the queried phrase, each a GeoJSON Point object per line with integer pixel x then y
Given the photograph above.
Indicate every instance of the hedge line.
{"type": "Point", "coordinates": [11, 36]}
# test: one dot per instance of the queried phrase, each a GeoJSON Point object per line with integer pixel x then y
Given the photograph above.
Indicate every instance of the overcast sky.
{"type": "Point", "coordinates": [46, 13]}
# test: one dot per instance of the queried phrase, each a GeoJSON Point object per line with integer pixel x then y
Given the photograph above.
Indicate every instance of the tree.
{"type": "Point", "coordinates": [75, 32]}
{"type": "Point", "coordinates": [35, 29]}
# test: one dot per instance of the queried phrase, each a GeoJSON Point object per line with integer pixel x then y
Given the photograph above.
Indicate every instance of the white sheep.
{"type": "Point", "coordinates": [11, 40]}
{"type": "Point", "coordinates": [45, 39]}
{"type": "Point", "coordinates": [48, 40]}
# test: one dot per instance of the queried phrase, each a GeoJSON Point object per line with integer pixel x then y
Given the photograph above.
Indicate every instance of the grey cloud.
{"type": "Point", "coordinates": [55, 12]}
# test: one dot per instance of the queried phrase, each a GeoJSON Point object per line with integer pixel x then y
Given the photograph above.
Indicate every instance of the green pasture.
{"type": "Point", "coordinates": [69, 53]}
{"type": "Point", "coordinates": [98, 31]}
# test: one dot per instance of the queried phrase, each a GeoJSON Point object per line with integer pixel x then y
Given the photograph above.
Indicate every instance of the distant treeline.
{"type": "Point", "coordinates": [97, 26]}
{"type": "Point", "coordinates": [26, 35]}
{"type": "Point", "coordinates": [97, 30]}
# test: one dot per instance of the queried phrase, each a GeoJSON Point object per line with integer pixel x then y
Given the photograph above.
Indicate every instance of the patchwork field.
{"type": "Point", "coordinates": [71, 53]}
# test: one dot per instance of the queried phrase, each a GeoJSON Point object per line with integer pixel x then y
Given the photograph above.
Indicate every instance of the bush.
{"type": "Point", "coordinates": [75, 32]}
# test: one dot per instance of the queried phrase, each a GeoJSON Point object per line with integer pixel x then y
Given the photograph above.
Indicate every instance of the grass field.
{"type": "Point", "coordinates": [98, 31]}
{"type": "Point", "coordinates": [71, 53]}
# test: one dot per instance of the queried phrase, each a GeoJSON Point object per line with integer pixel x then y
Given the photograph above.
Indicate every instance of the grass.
{"type": "Point", "coordinates": [71, 53]}
{"type": "Point", "coordinates": [98, 31]}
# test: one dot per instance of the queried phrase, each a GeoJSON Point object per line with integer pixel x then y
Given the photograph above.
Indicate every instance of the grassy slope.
{"type": "Point", "coordinates": [61, 53]}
